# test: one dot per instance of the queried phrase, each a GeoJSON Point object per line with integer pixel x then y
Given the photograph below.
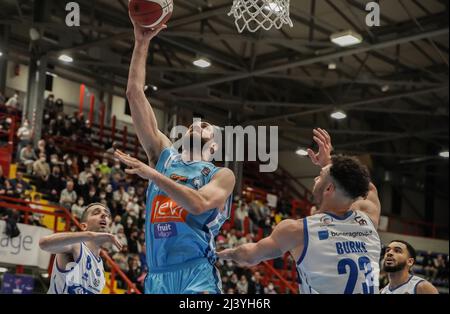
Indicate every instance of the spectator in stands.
{"type": "Point", "coordinates": [234, 280]}
{"type": "Point", "coordinates": [129, 222]}
{"type": "Point", "coordinates": [54, 161]}
{"type": "Point", "coordinates": [240, 214]}
{"type": "Point", "coordinates": [41, 169]}
{"type": "Point", "coordinates": [51, 148]}
{"type": "Point", "coordinates": [133, 207]}
{"type": "Point", "coordinates": [121, 195]}
{"type": "Point", "coordinates": [59, 105]}
{"type": "Point", "coordinates": [270, 289]}
{"type": "Point", "coordinates": [19, 180]}
{"type": "Point", "coordinates": [133, 243]}
{"type": "Point", "coordinates": [84, 162]}
{"type": "Point", "coordinates": [428, 266]}
{"type": "Point", "coordinates": [68, 195]}
{"type": "Point", "coordinates": [86, 132]}
{"type": "Point", "coordinates": [121, 237]}
{"type": "Point", "coordinates": [76, 120]}
{"type": "Point", "coordinates": [13, 102]}
{"type": "Point", "coordinates": [78, 208]}
{"type": "Point", "coordinates": [55, 184]}
{"type": "Point", "coordinates": [121, 258]}
{"type": "Point", "coordinates": [83, 176]}
{"type": "Point", "coordinates": [232, 238]}
{"type": "Point", "coordinates": [5, 125]}
{"type": "Point", "coordinates": [70, 167]}
{"type": "Point", "coordinates": [49, 105]}
{"type": "Point", "coordinates": [441, 267]}
{"type": "Point", "coordinates": [37, 217]}
{"type": "Point", "coordinates": [134, 271]}
{"type": "Point", "coordinates": [66, 129]}
{"type": "Point", "coordinates": [18, 191]}
{"type": "Point", "coordinates": [116, 225]}
{"type": "Point", "coordinates": [25, 135]}
{"type": "Point", "coordinates": [116, 171]}
{"type": "Point", "coordinates": [92, 196]}
{"type": "Point", "coordinates": [41, 149]}
{"type": "Point", "coordinates": [109, 193]}
{"type": "Point", "coordinates": [255, 286]}
{"type": "Point", "coordinates": [242, 285]}
{"type": "Point", "coordinates": [104, 167]}
{"type": "Point", "coordinates": [226, 284]}
{"type": "Point", "coordinates": [27, 157]}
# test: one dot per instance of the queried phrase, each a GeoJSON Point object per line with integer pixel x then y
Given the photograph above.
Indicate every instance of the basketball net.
{"type": "Point", "coordinates": [255, 14]}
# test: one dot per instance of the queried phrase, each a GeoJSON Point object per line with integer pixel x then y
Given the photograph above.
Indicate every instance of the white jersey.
{"type": "Point", "coordinates": [409, 287]}
{"type": "Point", "coordinates": [84, 276]}
{"type": "Point", "coordinates": [340, 255]}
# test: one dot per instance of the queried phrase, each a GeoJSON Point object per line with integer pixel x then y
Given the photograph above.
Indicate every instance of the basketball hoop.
{"type": "Point", "coordinates": [256, 14]}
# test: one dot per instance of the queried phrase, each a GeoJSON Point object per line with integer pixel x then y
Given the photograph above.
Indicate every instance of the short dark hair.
{"type": "Point", "coordinates": [411, 251]}
{"type": "Point", "coordinates": [84, 216]}
{"type": "Point", "coordinates": [351, 175]}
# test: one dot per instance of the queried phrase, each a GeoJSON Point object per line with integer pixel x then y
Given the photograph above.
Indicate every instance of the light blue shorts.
{"type": "Point", "coordinates": [194, 277]}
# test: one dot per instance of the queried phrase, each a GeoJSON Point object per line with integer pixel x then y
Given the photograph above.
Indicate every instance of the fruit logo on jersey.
{"type": "Point", "coordinates": [165, 209]}
{"type": "Point", "coordinates": [165, 230]}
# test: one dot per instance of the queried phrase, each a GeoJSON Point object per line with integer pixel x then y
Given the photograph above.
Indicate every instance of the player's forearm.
{"type": "Point", "coordinates": [60, 242]}
{"type": "Point", "coordinates": [144, 118]}
{"type": "Point", "coordinates": [244, 255]}
{"type": "Point", "coordinates": [137, 72]}
{"type": "Point", "coordinates": [189, 199]}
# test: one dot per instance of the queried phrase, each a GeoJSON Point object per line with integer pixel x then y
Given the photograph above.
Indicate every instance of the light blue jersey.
{"type": "Point", "coordinates": [177, 240]}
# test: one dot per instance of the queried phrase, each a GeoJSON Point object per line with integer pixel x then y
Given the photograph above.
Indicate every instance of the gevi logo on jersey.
{"type": "Point", "coordinates": [165, 209]}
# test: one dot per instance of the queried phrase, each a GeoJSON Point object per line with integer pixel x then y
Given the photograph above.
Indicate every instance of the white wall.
{"type": "Point", "coordinates": [419, 243]}
{"type": "Point", "coordinates": [118, 109]}
{"type": "Point", "coordinates": [19, 82]}
{"type": "Point", "coordinates": [67, 90]}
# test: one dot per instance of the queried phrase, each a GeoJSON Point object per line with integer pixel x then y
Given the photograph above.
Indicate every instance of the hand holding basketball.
{"type": "Point", "coordinates": [149, 17]}
{"type": "Point", "coordinates": [144, 34]}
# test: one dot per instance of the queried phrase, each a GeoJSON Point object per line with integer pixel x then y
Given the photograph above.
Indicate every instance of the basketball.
{"type": "Point", "coordinates": [150, 13]}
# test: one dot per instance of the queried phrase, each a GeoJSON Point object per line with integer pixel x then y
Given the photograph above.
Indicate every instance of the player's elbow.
{"type": "Point", "coordinates": [133, 92]}
{"type": "Point", "coordinates": [199, 208]}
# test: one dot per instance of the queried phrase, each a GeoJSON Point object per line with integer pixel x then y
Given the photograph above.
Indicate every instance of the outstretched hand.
{"type": "Point", "coordinates": [102, 237]}
{"type": "Point", "coordinates": [146, 34]}
{"type": "Point", "coordinates": [323, 156]}
{"type": "Point", "coordinates": [136, 166]}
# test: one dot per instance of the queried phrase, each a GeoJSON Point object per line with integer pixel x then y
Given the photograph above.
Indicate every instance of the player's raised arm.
{"type": "Point", "coordinates": [287, 236]}
{"type": "Point", "coordinates": [371, 205]}
{"type": "Point", "coordinates": [144, 120]}
{"type": "Point", "coordinates": [60, 243]}
{"type": "Point", "coordinates": [212, 195]}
